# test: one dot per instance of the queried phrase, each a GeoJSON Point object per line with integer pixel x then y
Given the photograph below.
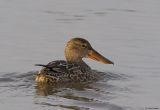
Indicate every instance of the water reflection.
{"type": "Point", "coordinates": [44, 89]}
{"type": "Point", "coordinates": [75, 96]}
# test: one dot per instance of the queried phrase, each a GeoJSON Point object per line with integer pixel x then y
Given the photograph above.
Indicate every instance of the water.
{"type": "Point", "coordinates": [125, 31]}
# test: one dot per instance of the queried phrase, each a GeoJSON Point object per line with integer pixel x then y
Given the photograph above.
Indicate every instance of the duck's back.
{"type": "Point", "coordinates": [62, 71]}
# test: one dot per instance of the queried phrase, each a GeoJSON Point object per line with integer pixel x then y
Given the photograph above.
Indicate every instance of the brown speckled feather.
{"type": "Point", "coordinates": [62, 71]}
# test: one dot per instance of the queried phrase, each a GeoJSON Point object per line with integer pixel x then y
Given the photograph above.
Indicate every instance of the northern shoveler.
{"type": "Point", "coordinates": [74, 69]}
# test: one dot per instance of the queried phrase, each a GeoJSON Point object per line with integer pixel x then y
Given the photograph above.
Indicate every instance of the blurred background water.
{"type": "Point", "coordinates": [125, 31]}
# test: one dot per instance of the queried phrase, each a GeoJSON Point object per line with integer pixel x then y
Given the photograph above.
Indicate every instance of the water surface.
{"type": "Point", "coordinates": [125, 31]}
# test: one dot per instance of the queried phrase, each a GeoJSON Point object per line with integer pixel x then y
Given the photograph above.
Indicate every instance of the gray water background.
{"type": "Point", "coordinates": [125, 31]}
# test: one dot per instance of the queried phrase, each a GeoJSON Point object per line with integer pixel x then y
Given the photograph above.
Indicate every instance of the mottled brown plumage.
{"type": "Point", "coordinates": [74, 69]}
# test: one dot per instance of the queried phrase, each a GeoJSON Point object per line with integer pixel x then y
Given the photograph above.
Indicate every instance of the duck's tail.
{"type": "Point", "coordinates": [46, 66]}
{"type": "Point", "coordinates": [41, 65]}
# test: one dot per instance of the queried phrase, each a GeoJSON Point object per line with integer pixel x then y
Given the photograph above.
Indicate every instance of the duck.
{"type": "Point", "coordinates": [73, 69]}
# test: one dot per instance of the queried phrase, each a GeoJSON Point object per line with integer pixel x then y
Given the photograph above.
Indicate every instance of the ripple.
{"type": "Point", "coordinates": [76, 96]}
{"type": "Point", "coordinates": [65, 106]}
{"type": "Point", "coordinates": [84, 106]}
{"type": "Point", "coordinates": [4, 80]}
{"type": "Point", "coordinates": [121, 10]}
{"type": "Point", "coordinates": [55, 12]}
{"type": "Point", "coordinates": [11, 83]}
{"type": "Point", "coordinates": [73, 97]}
{"type": "Point", "coordinates": [100, 13]}
{"type": "Point", "coordinates": [69, 20]}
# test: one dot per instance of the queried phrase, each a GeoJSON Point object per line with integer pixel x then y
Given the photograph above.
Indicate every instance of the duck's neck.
{"type": "Point", "coordinates": [79, 62]}
{"type": "Point", "coordinates": [74, 60]}
{"type": "Point", "coordinates": [72, 56]}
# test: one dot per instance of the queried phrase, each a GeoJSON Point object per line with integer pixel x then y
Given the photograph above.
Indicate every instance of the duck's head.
{"type": "Point", "coordinates": [78, 48]}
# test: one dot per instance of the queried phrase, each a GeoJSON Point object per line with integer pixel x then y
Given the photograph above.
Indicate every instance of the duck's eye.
{"type": "Point", "coordinates": [84, 45]}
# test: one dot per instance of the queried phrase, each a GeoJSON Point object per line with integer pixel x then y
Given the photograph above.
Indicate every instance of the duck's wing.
{"type": "Point", "coordinates": [58, 71]}
{"type": "Point", "coordinates": [62, 71]}
{"type": "Point", "coordinates": [59, 67]}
